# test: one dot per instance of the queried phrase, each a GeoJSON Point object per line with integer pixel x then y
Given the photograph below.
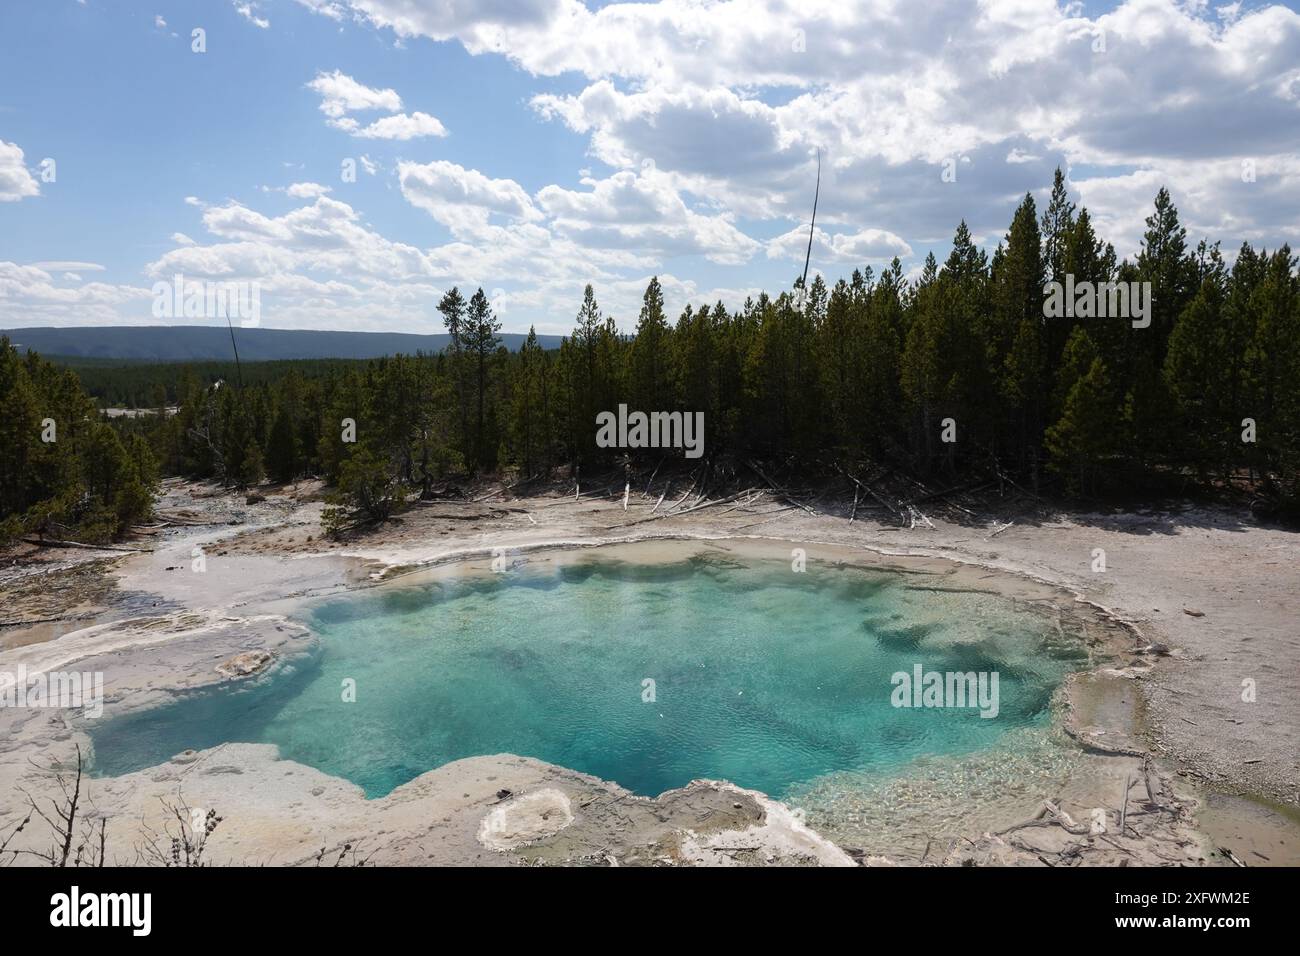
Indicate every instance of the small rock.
{"type": "Point", "coordinates": [242, 665]}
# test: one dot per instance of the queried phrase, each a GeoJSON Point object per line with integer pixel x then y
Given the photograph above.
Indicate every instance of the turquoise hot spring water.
{"type": "Point", "coordinates": [760, 675]}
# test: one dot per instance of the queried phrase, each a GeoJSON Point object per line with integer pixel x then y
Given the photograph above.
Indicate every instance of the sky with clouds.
{"type": "Point", "coordinates": [357, 158]}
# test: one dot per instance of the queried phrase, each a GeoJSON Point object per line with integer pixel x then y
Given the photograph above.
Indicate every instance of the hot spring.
{"type": "Point", "coordinates": [695, 662]}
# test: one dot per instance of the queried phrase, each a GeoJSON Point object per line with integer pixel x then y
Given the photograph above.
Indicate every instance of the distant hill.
{"type": "Point", "coordinates": [196, 343]}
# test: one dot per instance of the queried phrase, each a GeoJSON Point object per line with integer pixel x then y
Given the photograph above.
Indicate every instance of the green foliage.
{"type": "Point", "coordinates": [65, 472]}
{"type": "Point", "coordinates": [864, 368]}
{"type": "Point", "coordinates": [1083, 438]}
{"type": "Point", "coordinates": [368, 490]}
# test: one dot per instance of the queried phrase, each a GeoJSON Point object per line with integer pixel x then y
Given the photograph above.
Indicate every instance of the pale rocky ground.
{"type": "Point", "coordinates": [1162, 715]}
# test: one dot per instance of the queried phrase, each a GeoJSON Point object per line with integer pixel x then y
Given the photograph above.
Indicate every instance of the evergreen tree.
{"type": "Point", "coordinates": [865, 369]}
{"type": "Point", "coordinates": [481, 337]}
{"type": "Point", "coordinates": [650, 386]}
{"type": "Point", "coordinates": [1019, 300]}
{"type": "Point", "coordinates": [453, 309]}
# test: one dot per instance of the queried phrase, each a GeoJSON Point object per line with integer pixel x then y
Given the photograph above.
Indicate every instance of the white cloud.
{"type": "Point", "coordinates": [701, 121]}
{"type": "Point", "coordinates": [30, 295]}
{"type": "Point", "coordinates": [400, 126]}
{"type": "Point", "coordinates": [340, 94]}
{"type": "Point", "coordinates": [859, 248]}
{"type": "Point", "coordinates": [1212, 200]}
{"type": "Point", "coordinates": [306, 190]}
{"type": "Point", "coordinates": [248, 10]}
{"type": "Point", "coordinates": [57, 265]}
{"type": "Point", "coordinates": [643, 212]}
{"type": "Point", "coordinates": [325, 237]}
{"type": "Point", "coordinates": [463, 199]}
{"type": "Point", "coordinates": [15, 181]}
{"type": "Point", "coordinates": [334, 9]}
{"type": "Point", "coordinates": [890, 90]}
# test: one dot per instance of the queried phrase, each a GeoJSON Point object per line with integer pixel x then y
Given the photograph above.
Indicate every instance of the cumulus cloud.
{"type": "Point", "coordinates": [400, 126]}
{"type": "Point", "coordinates": [858, 248]}
{"type": "Point", "coordinates": [643, 212]}
{"type": "Point", "coordinates": [320, 266]}
{"type": "Point", "coordinates": [463, 199]}
{"type": "Point", "coordinates": [702, 122]}
{"type": "Point", "coordinates": [15, 181]}
{"type": "Point", "coordinates": [306, 190]}
{"type": "Point", "coordinates": [731, 98]}
{"type": "Point", "coordinates": [340, 95]}
{"type": "Point", "coordinates": [31, 295]}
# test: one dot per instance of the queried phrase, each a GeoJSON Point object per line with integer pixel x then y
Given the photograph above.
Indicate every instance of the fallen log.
{"type": "Point", "coordinates": [1050, 815]}
{"type": "Point", "coordinates": [755, 524]}
{"type": "Point", "coordinates": [56, 543]}
{"type": "Point", "coordinates": [682, 498]}
{"type": "Point", "coordinates": [1231, 856]}
{"type": "Point", "coordinates": [885, 504]}
{"type": "Point", "coordinates": [686, 511]}
{"type": "Point", "coordinates": [914, 512]}
{"type": "Point", "coordinates": [650, 483]}
{"type": "Point", "coordinates": [779, 490]}
{"type": "Point", "coordinates": [929, 496]}
{"type": "Point", "coordinates": [32, 620]}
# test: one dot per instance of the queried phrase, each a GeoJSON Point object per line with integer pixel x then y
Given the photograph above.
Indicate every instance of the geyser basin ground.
{"type": "Point", "coordinates": [762, 675]}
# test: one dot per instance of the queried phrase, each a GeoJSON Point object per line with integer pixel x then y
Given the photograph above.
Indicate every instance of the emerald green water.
{"type": "Point", "coordinates": [762, 676]}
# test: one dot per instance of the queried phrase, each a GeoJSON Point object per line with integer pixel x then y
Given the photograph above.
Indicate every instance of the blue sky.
{"type": "Point", "coordinates": [531, 146]}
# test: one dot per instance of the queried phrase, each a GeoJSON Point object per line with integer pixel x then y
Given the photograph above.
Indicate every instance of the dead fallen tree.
{"type": "Point", "coordinates": [59, 543]}
{"type": "Point", "coordinates": [692, 508]}
{"type": "Point", "coordinates": [783, 492]}
{"type": "Point", "coordinates": [885, 503]}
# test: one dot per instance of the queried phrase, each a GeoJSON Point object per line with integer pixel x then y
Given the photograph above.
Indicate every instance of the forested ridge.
{"type": "Point", "coordinates": [874, 368]}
